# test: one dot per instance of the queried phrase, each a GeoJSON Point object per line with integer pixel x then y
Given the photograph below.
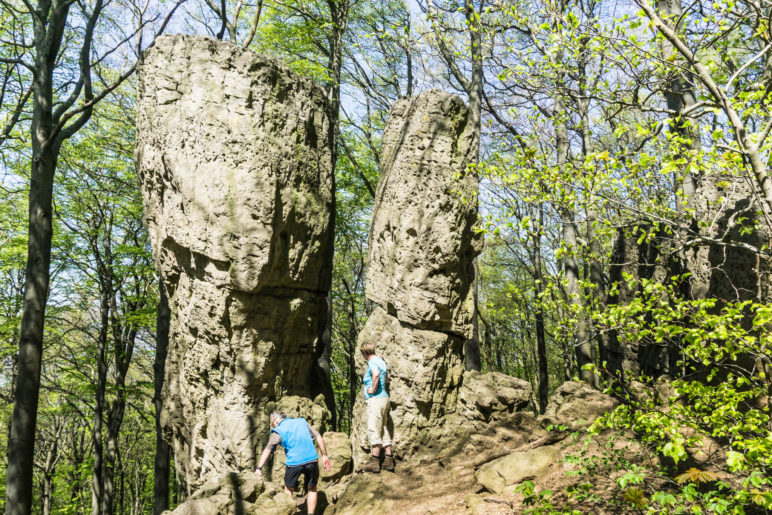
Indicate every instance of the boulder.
{"type": "Point", "coordinates": [507, 471]}
{"type": "Point", "coordinates": [315, 412]}
{"type": "Point", "coordinates": [237, 493]}
{"type": "Point", "coordinates": [234, 160]}
{"type": "Point", "coordinates": [492, 396]}
{"type": "Point", "coordinates": [422, 244]}
{"type": "Point", "coordinates": [576, 405]}
{"type": "Point", "coordinates": [276, 502]}
{"type": "Point", "coordinates": [339, 450]}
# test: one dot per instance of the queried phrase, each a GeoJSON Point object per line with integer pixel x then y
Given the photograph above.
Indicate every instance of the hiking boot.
{"type": "Point", "coordinates": [388, 463]}
{"type": "Point", "coordinates": [372, 465]}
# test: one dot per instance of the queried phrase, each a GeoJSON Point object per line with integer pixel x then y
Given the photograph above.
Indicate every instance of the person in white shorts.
{"type": "Point", "coordinates": [377, 398]}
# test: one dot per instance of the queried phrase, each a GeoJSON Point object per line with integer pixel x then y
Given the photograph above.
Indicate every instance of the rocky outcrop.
{"type": "Point", "coordinates": [422, 239]}
{"type": "Point", "coordinates": [576, 405]}
{"type": "Point", "coordinates": [422, 244]}
{"type": "Point", "coordinates": [233, 153]}
{"type": "Point", "coordinates": [492, 396]}
{"type": "Point", "coordinates": [726, 209]}
{"type": "Point", "coordinates": [241, 493]}
{"type": "Point", "coordinates": [711, 255]}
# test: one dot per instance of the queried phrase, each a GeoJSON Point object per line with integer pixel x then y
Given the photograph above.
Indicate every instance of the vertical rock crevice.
{"type": "Point", "coordinates": [234, 159]}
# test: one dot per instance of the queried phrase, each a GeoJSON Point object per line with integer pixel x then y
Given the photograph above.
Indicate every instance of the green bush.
{"type": "Point", "coordinates": [722, 393]}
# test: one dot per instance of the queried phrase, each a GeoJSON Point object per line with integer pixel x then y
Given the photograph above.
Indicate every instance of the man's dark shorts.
{"type": "Point", "coordinates": [309, 470]}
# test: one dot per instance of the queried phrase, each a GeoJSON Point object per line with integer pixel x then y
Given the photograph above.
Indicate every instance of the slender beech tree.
{"type": "Point", "coordinates": [51, 125]}
{"type": "Point", "coordinates": [162, 448]}
{"type": "Point", "coordinates": [58, 112]}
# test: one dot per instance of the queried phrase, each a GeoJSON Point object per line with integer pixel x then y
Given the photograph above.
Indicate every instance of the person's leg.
{"type": "Point", "coordinates": [373, 414]}
{"type": "Point", "coordinates": [311, 478]}
{"type": "Point", "coordinates": [388, 459]}
{"type": "Point", "coordinates": [373, 434]}
{"type": "Point", "coordinates": [311, 500]}
{"type": "Point", "coordinates": [386, 438]}
{"type": "Point", "coordinates": [291, 476]}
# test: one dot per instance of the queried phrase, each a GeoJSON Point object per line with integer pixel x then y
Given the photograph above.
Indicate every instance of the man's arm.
{"type": "Point", "coordinates": [273, 441]}
{"type": "Point", "coordinates": [325, 459]}
{"type": "Point", "coordinates": [376, 377]}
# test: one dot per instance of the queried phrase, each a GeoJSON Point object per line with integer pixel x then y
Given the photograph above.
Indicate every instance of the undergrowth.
{"type": "Point", "coordinates": [697, 443]}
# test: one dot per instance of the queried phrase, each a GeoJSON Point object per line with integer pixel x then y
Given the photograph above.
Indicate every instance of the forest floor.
{"type": "Point", "coordinates": [427, 487]}
{"type": "Point", "coordinates": [447, 485]}
{"type": "Point", "coordinates": [439, 481]}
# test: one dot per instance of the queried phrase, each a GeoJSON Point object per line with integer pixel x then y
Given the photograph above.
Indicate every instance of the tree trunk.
{"type": "Point", "coordinates": [21, 441]}
{"type": "Point", "coordinates": [474, 91]}
{"type": "Point", "coordinates": [353, 333]}
{"type": "Point", "coordinates": [680, 96]}
{"type": "Point", "coordinates": [595, 265]}
{"type": "Point", "coordinates": [124, 339]}
{"type": "Point", "coordinates": [47, 496]}
{"type": "Point", "coordinates": [541, 341]}
{"type": "Point", "coordinates": [472, 359]}
{"type": "Point", "coordinates": [49, 20]}
{"type": "Point", "coordinates": [339, 21]}
{"type": "Point", "coordinates": [161, 467]}
{"type": "Point", "coordinates": [569, 232]}
{"type": "Point", "coordinates": [97, 476]}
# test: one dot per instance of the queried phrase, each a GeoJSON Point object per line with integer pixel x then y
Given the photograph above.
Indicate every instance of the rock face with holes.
{"type": "Point", "coordinates": [234, 157]}
{"type": "Point", "coordinates": [233, 492]}
{"type": "Point", "coordinates": [728, 210]}
{"type": "Point", "coordinates": [420, 270]}
{"type": "Point", "coordinates": [711, 254]}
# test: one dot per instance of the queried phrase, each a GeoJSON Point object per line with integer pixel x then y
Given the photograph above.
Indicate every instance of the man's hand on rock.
{"type": "Point", "coordinates": [326, 462]}
{"type": "Point", "coordinates": [259, 473]}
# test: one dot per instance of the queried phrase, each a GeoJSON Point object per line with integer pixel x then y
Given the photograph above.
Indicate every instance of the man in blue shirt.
{"type": "Point", "coordinates": [297, 437]}
{"type": "Point", "coordinates": [375, 380]}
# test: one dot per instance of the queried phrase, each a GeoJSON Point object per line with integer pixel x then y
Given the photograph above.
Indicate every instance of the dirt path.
{"type": "Point", "coordinates": [431, 485]}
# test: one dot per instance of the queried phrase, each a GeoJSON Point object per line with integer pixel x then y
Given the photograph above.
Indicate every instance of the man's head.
{"type": "Point", "coordinates": [276, 417]}
{"type": "Point", "coordinates": [367, 349]}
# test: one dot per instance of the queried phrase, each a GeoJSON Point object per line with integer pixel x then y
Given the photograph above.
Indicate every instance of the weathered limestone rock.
{"type": "Point", "coordinates": [515, 468]}
{"type": "Point", "coordinates": [728, 210]}
{"type": "Point", "coordinates": [492, 396]}
{"type": "Point", "coordinates": [420, 270]}
{"type": "Point", "coordinates": [577, 405]}
{"type": "Point", "coordinates": [315, 412]}
{"type": "Point", "coordinates": [236, 493]}
{"type": "Point", "coordinates": [422, 240]}
{"type": "Point", "coordinates": [712, 257]}
{"type": "Point", "coordinates": [339, 450]}
{"type": "Point", "coordinates": [233, 154]}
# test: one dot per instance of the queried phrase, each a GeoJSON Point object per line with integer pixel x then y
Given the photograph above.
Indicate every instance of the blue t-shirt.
{"type": "Point", "coordinates": [376, 364]}
{"type": "Point", "coordinates": [297, 441]}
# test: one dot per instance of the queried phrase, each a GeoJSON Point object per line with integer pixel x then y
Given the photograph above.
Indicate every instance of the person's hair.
{"type": "Point", "coordinates": [367, 348]}
{"type": "Point", "coordinates": [278, 415]}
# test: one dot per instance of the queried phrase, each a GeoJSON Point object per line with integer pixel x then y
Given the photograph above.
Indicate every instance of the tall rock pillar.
{"type": "Point", "coordinates": [422, 245]}
{"type": "Point", "coordinates": [233, 154]}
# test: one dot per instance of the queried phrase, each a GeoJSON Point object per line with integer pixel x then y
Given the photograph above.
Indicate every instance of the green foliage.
{"type": "Point", "coordinates": [721, 399]}
{"type": "Point", "coordinates": [537, 502]}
